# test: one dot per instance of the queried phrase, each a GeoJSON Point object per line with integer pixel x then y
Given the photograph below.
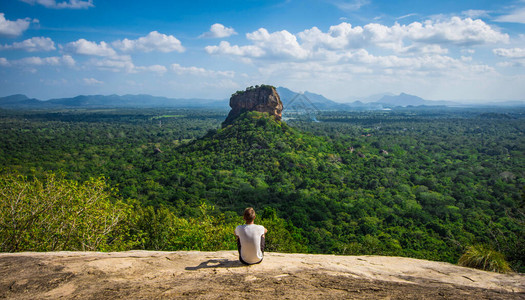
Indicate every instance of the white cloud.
{"type": "Point", "coordinates": [71, 4]}
{"type": "Point", "coordinates": [425, 49]}
{"type": "Point", "coordinates": [32, 45]}
{"type": "Point", "coordinates": [188, 70]}
{"type": "Point", "coordinates": [513, 64]}
{"type": "Point", "coordinates": [195, 71]}
{"type": "Point", "coordinates": [429, 37]}
{"type": "Point", "coordinates": [114, 64]}
{"type": "Point", "coordinates": [64, 60]}
{"type": "Point", "coordinates": [154, 41]}
{"type": "Point", "coordinates": [350, 5]}
{"type": "Point", "coordinates": [75, 4]}
{"type": "Point", "coordinates": [363, 68]}
{"type": "Point", "coordinates": [153, 68]}
{"type": "Point", "coordinates": [218, 31]}
{"type": "Point", "coordinates": [39, 61]}
{"type": "Point", "coordinates": [225, 48]}
{"type": "Point", "coordinates": [343, 67]}
{"type": "Point", "coordinates": [123, 63]}
{"type": "Point", "coordinates": [13, 28]}
{"type": "Point", "coordinates": [92, 81]}
{"type": "Point", "coordinates": [85, 47]}
{"type": "Point", "coordinates": [426, 62]}
{"type": "Point", "coordinates": [406, 16]}
{"type": "Point", "coordinates": [454, 31]}
{"type": "Point", "coordinates": [68, 60]}
{"type": "Point", "coordinates": [510, 53]}
{"type": "Point", "coordinates": [279, 43]}
{"type": "Point", "coordinates": [338, 37]}
{"type": "Point", "coordinates": [4, 62]}
{"type": "Point", "coordinates": [515, 16]}
{"type": "Point", "coordinates": [475, 13]}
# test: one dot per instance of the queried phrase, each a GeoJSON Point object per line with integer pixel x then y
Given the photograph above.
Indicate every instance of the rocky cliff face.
{"type": "Point", "coordinates": [261, 99]}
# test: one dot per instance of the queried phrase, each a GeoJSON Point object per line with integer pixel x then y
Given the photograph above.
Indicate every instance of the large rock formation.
{"type": "Point", "coordinates": [262, 98]}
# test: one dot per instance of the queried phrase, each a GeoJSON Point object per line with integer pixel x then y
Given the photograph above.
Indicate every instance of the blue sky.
{"type": "Point", "coordinates": [343, 49]}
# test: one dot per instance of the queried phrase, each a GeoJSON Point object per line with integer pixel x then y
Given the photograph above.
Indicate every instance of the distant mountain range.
{"type": "Point", "coordinates": [411, 100]}
{"type": "Point", "coordinates": [381, 101]}
{"type": "Point", "coordinates": [110, 101]}
{"type": "Point", "coordinates": [289, 97]}
{"type": "Point", "coordinates": [374, 102]}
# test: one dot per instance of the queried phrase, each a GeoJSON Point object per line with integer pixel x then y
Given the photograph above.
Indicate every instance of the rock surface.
{"type": "Point", "coordinates": [261, 99]}
{"type": "Point", "coordinates": [219, 275]}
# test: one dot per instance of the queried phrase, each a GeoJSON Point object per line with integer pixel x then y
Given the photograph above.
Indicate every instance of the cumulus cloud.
{"type": "Point", "coordinates": [364, 63]}
{"type": "Point", "coordinates": [425, 49]}
{"type": "Point", "coordinates": [218, 31]}
{"type": "Point", "coordinates": [92, 81]}
{"type": "Point", "coordinates": [13, 28]}
{"type": "Point", "coordinates": [114, 64]}
{"type": "Point", "coordinates": [4, 62]}
{"type": "Point", "coordinates": [279, 43]}
{"type": "Point", "coordinates": [429, 37]}
{"type": "Point", "coordinates": [454, 31]}
{"type": "Point", "coordinates": [154, 41]}
{"type": "Point", "coordinates": [225, 48]}
{"type": "Point", "coordinates": [153, 68]}
{"type": "Point", "coordinates": [40, 61]}
{"type": "Point", "coordinates": [195, 71]}
{"type": "Point", "coordinates": [362, 56]}
{"type": "Point", "coordinates": [85, 47]}
{"type": "Point", "coordinates": [475, 13]}
{"type": "Point", "coordinates": [123, 63]}
{"type": "Point", "coordinates": [338, 37]}
{"type": "Point", "coordinates": [515, 16]}
{"type": "Point", "coordinates": [276, 44]}
{"type": "Point", "coordinates": [64, 60]}
{"type": "Point", "coordinates": [68, 60]}
{"type": "Point", "coordinates": [412, 51]}
{"type": "Point", "coordinates": [32, 45]}
{"type": "Point", "coordinates": [510, 53]}
{"type": "Point", "coordinates": [71, 4]}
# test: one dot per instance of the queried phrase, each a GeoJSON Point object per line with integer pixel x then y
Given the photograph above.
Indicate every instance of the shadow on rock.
{"type": "Point", "coordinates": [216, 263]}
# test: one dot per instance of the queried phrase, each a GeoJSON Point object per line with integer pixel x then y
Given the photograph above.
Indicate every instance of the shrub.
{"type": "Point", "coordinates": [485, 258]}
{"type": "Point", "coordinates": [56, 214]}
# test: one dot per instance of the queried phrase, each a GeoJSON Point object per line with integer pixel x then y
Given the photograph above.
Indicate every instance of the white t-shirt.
{"type": "Point", "coordinates": [250, 237]}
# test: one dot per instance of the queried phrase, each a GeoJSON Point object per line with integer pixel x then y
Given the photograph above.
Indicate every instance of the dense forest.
{"type": "Point", "coordinates": [419, 182]}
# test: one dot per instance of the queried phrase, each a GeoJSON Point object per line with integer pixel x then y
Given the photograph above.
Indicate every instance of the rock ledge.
{"type": "Point", "coordinates": [219, 275]}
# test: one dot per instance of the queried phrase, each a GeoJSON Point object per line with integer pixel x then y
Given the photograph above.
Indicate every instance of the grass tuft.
{"type": "Point", "coordinates": [485, 258]}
